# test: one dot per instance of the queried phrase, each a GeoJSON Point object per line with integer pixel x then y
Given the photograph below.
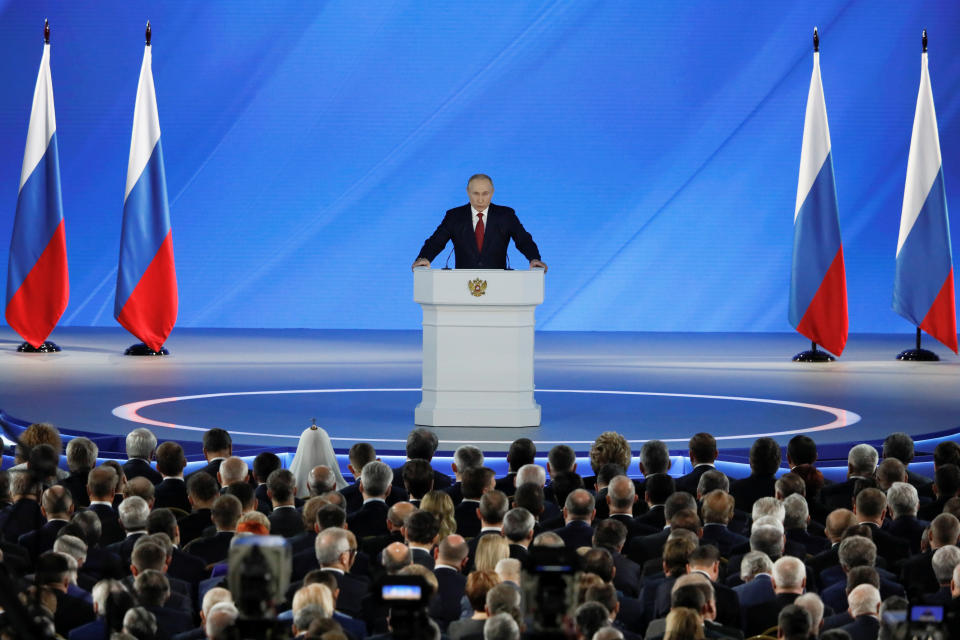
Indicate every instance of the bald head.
{"type": "Point", "coordinates": [452, 551]}
{"type": "Point", "coordinates": [839, 521]}
{"type": "Point", "coordinates": [397, 515]}
{"type": "Point", "coordinates": [621, 495]}
{"type": "Point", "coordinates": [395, 557]}
{"type": "Point", "coordinates": [56, 502]}
{"type": "Point", "coordinates": [322, 480]}
{"type": "Point", "coordinates": [579, 506]}
{"type": "Point", "coordinates": [233, 469]}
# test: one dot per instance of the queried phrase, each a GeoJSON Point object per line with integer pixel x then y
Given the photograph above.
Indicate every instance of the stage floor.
{"type": "Point", "coordinates": [265, 386]}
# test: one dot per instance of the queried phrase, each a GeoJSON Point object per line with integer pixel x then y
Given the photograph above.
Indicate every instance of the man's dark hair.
{"type": "Point", "coordinates": [170, 459]}
{"type": "Point", "coordinates": [422, 527]}
{"type": "Point", "coordinates": [899, 445]}
{"type": "Point", "coordinates": [101, 483]}
{"type": "Point", "coordinates": [564, 483]}
{"type": "Point", "coordinates": [947, 480]}
{"type": "Point", "coordinates": [43, 462]}
{"type": "Point", "coordinates": [608, 471]}
{"type": "Point", "coordinates": [264, 464]}
{"type": "Point", "coordinates": [330, 515]}
{"type": "Point", "coordinates": [599, 562]}
{"type": "Point", "coordinates": [659, 487]}
{"type": "Point", "coordinates": [474, 480]}
{"type": "Point", "coordinates": [493, 506]}
{"type": "Point", "coordinates": [360, 454]}
{"type": "Point", "coordinates": [162, 520]}
{"type": "Point", "coordinates": [605, 594]}
{"type": "Point", "coordinates": [522, 451]}
{"type": "Point", "coordinates": [690, 596]}
{"type": "Point", "coordinates": [529, 495]}
{"type": "Point", "coordinates": [217, 439]}
{"type": "Point", "coordinates": [794, 623]}
{"type": "Point", "coordinates": [765, 457]}
{"type": "Point", "coordinates": [202, 486]}
{"type": "Point", "coordinates": [90, 523]}
{"type": "Point", "coordinates": [153, 588]}
{"type": "Point", "coordinates": [712, 480]}
{"type": "Point", "coordinates": [417, 477]}
{"type": "Point", "coordinates": [678, 501]}
{"type": "Point", "coordinates": [947, 452]}
{"type": "Point", "coordinates": [703, 555]}
{"type": "Point", "coordinates": [243, 492]}
{"type": "Point", "coordinates": [862, 530]}
{"type": "Point", "coordinates": [51, 567]}
{"type": "Point", "coordinates": [864, 483]}
{"type": "Point", "coordinates": [871, 503]}
{"type": "Point", "coordinates": [319, 576]}
{"type": "Point", "coordinates": [422, 443]}
{"type": "Point", "coordinates": [609, 534]}
{"type": "Point", "coordinates": [862, 574]}
{"type": "Point", "coordinates": [280, 484]}
{"type": "Point", "coordinates": [791, 483]}
{"type": "Point", "coordinates": [226, 512]}
{"type": "Point", "coordinates": [703, 448]}
{"type": "Point", "coordinates": [561, 458]}
{"type": "Point", "coordinates": [802, 450]}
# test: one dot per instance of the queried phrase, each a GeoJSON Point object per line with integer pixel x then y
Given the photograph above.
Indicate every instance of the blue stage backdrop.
{"type": "Point", "coordinates": [652, 148]}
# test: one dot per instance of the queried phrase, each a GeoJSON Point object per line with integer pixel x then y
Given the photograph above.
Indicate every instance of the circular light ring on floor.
{"type": "Point", "coordinates": [841, 417]}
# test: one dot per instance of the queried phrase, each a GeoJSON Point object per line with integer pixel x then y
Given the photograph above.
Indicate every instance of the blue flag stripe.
{"type": "Point", "coordinates": [146, 222]}
{"type": "Point", "coordinates": [816, 240]}
{"type": "Point", "coordinates": [924, 261]}
{"type": "Point", "coordinates": [39, 212]}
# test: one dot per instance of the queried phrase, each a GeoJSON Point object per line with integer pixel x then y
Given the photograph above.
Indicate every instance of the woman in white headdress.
{"type": "Point", "coordinates": [314, 449]}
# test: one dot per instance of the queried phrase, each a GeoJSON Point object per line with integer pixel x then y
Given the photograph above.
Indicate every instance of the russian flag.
{"type": "Point", "coordinates": [923, 285]}
{"type": "Point", "coordinates": [146, 303]}
{"type": "Point", "coordinates": [818, 283]}
{"type": "Point", "coordinates": [38, 285]}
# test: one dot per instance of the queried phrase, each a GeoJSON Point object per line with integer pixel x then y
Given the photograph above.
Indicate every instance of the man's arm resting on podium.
{"type": "Point", "coordinates": [420, 262]}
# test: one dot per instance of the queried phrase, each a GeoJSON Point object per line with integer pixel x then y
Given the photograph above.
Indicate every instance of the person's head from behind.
{"type": "Point", "coordinates": [81, 454]}
{"type": "Point", "coordinates": [522, 451]}
{"type": "Point", "coordinates": [683, 623]}
{"type": "Point", "coordinates": [141, 443]}
{"type": "Point", "coordinates": [202, 490]}
{"type": "Point", "coordinates": [264, 464]}
{"type": "Point", "coordinates": [217, 443]}
{"type": "Point", "coordinates": [794, 623]}
{"type": "Point", "coordinates": [220, 619]}
{"type": "Point", "coordinates": [801, 450]}
{"type": "Point", "coordinates": [422, 443]}
{"type": "Point", "coordinates": [375, 479]}
{"type": "Point", "coordinates": [764, 457]}
{"type": "Point", "coordinates": [654, 458]}
{"type": "Point", "coordinates": [609, 446]}
{"type": "Point", "coordinates": [171, 460]}
{"type": "Point", "coordinates": [702, 448]}
{"type": "Point", "coordinates": [479, 582]}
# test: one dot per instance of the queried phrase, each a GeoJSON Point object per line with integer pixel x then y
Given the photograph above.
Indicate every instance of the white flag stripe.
{"type": "Point", "coordinates": [924, 162]}
{"type": "Point", "coordinates": [816, 137]}
{"type": "Point", "coordinates": [146, 124]}
{"type": "Point", "coordinates": [43, 121]}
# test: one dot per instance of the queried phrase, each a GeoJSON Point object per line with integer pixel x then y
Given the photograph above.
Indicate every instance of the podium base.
{"type": "Point", "coordinates": [918, 355]}
{"type": "Point", "coordinates": [449, 417]}
{"type": "Point", "coordinates": [813, 356]}
{"type": "Point", "coordinates": [141, 349]}
{"type": "Point", "coordinates": [46, 347]}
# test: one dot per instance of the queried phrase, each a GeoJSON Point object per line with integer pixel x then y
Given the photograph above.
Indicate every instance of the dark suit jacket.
{"type": "Point", "coordinates": [186, 567]}
{"type": "Point", "coordinates": [627, 577]}
{"type": "Point", "coordinates": [576, 533]}
{"type": "Point", "coordinates": [124, 548]}
{"type": "Point", "coordinates": [468, 522]}
{"type": "Point", "coordinates": [76, 483]}
{"type": "Point", "coordinates": [92, 631]}
{"type": "Point", "coordinates": [690, 481]}
{"type": "Point", "coordinates": [170, 622]}
{"type": "Point", "coordinates": [138, 467]}
{"type": "Point", "coordinates": [42, 539]}
{"type": "Point", "coordinates": [813, 544]}
{"type": "Point", "coordinates": [500, 225]}
{"type": "Point", "coordinates": [916, 574]}
{"type": "Point", "coordinates": [369, 520]}
{"type": "Point", "coordinates": [748, 490]}
{"type": "Point", "coordinates": [212, 468]}
{"type": "Point", "coordinates": [19, 518]}
{"type": "Point", "coordinates": [654, 517]}
{"type": "Point", "coordinates": [647, 547]}
{"type": "Point", "coordinates": [864, 627]}
{"type": "Point", "coordinates": [423, 558]}
{"type": "Point", "coordinates": [211, 550]}
{"type": "Point", "coordinates": [907, 528]}
{"type": "Point", "coordinates": [835, 596]}
{"type": "Point", "coordinates": [171, 492]}
{"type": "Point", "coordinates": [889, 546]}
{"type": "Point", "coordinates": [761, 617]}
{"type": "Point", "coordinates": [286, 522]}
{"type": "Point", "coordinates": [353, 590]}
{"type": "Point", "coordinates": [71, 613]}
{"type": "Point", "coordinates": [192, 526]}
{"type": "Point", "coordinates": [720, 536]}
{"type": "Point", "coordinates": [445, 608]}
{"type": "Point", "coordinates": [839, 495]}
{"type": "Point", "coordinates": [505, 484]}
{"type": "Point", "coordinates": [109, 523]}
{"type": "Point", "coordinates": [634, 527]}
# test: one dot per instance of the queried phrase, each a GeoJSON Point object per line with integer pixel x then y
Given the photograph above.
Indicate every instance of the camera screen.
{"type": "Point", "coordinates": [926, 614]}
{"type": "Point", "coordinates": [400, 592]}
{"type": "Point", "coordinates": [554, 568]}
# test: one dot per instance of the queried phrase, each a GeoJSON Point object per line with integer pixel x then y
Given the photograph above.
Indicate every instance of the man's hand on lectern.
{"type": "Point", "coordinates": [420, 262]}
{"type": "Point", "coordinates": [536, 264]}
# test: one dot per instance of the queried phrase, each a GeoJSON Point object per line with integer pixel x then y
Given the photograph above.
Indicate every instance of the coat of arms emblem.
{"type": "Point", "coordinates": [477, 287]}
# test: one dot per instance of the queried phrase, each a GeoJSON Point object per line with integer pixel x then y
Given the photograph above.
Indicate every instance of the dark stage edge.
{"type": "Point", "coordinates": [749, 382]}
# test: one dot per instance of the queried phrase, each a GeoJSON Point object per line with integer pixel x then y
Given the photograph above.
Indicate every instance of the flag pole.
{"type": "Point", "coordinates": [814, 354]}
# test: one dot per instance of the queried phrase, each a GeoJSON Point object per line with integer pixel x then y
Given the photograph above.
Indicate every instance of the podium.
{"type": "Point", "coordinates": [478, 329]}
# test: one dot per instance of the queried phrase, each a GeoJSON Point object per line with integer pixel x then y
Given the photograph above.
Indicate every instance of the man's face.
{"type": "Point", "coordinates": [480, 192]}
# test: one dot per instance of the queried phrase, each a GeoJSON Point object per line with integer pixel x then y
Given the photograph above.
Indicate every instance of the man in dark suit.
{"type": "Point", "coordinates": [53, 571]}
{"type": "Point", "coordinates": [900, 446]}
{"type": "Point", "coordinates": [916, 573]}
{"type": "Point", "coordinates": [141, 444]}
{"type": "Point", "coordinates": [480, 232]}
{"type": "Point", "coordinates": [420, 531]}
{"type": "Point", "coordinates": [611, 535]}
{"type": "Point", "coordinates": [263, 465]}
{"type": "Point", "coordinates": [657, 489]}
{"type": "Point", "coordinates": [518, 528]}
{"type": "Point", "coordinates": [705, 560]}
{"type": "Point", "coordinates": [171, 491]}
{"type": "Point", "coordinates": [465, 457]}
{"type": "Point", "coordinates": [201, 492]}
{"type": "Point", "coordinates": [450, 558]}
{"type": "Point", "coordinates": [417, 479]}
{"type": "Point", "coordinates": [152, 553]}
{"type": "Point", "coordinates": [522, 451]}
{"type": "Point", "coordinates": [335, 552]}
{"type": "Point", "coordinates": [81, 457]}
{"type": "Point", "coordinates": [285, 520]}
{"type": "Point", "coordinates": [861, 463]}
{"type": "Point", "coordinates": [795, 522]}
{"type": "Point", "coordinates": [870, 507]}
{"type": "Point", "coordinates": [475, 482]}
{"type": "Point", "coordinates": [56, 506]}
{"type": "Point", "coordinates": [225, 515]}
{"type": "Point", "coordinates": [717, 509]}
{"type": "Point", "coordinates": [902, 504]}
{"type": "Point", "coordinates": [946, 484]}
{"type": "Point", "coordinates": [375, 486]}
{"type": "Point", "coordinates": [865, 610]}
{"type": "Point", "coordinates": [703, 453]}
{"type": "Point", "coordinates": [133, 512]}
{"type": "Point", "coordinates": [101, 487]}
{"type": "Point", "coordinates": [621, 497]}
{"type": "Point", "coordinates": [422, 443]}
{"type": "Point", "coordinates": [578, 514]}
{"type": "Point", "coordinates": [217, 447]}
{"type": "Point", "coordinates": [183, 566]}
{"type": "Point", "coordinates": [788, 582]}
{"type": "Point", "coordinates": [761, 483]}
{"type": "Point", "coordinates": [153, 592]}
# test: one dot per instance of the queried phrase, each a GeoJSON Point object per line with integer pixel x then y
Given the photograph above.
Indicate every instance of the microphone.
{"type": "Point", "coordinates": [508, 267]}
{"type": "Point", "coordinates": [446, 266]}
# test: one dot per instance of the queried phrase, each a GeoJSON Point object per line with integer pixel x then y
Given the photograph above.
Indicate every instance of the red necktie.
{"type": "Point", "coordinates": [479, 231]}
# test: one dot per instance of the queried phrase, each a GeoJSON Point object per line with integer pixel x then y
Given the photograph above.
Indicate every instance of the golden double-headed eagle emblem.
{"type": "Point", "coordinates": [477, 287]}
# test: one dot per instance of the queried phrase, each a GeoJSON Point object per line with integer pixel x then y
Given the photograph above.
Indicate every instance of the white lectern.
{"type": "Point", "coordinates": [477, 346]}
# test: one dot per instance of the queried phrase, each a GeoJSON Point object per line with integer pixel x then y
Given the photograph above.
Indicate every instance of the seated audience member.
{"type": "Point", "coordinates": [764, 463]}
{"type": "Point", "coordinates": [465, 457]}
{"type": "Point", "coordinates": [450, 558]}
{"type": "Point", "coordinates": [680, 510]}
{"type": "Point", "coordinates": [890, 470]}
{"type": "Point", "coordinates": [857, 551]}
{"type": "Point", "coordinates": [422, 443]}
{"type": "Point", "coordinates": [202, 491]}
{"type": "Point", "coordinates": [440, 504]}
{"type": "Point", "coordinates": [100, 563]}
{"type": "Point", "coordinates": [133, 513]}
{"type": "Point", "coordinates": [478, 584]}
{"type": "Point", "coordinates": [153, 591]}
{"type": "Point", "coordinates": [612, 535]}
{"type": "Point", "coordinates": [703, 453]}
{"type": "Point", "coordinates": [38, 433]}
{"type": "Point", "coordinates": [220, 619]}
{"type": "Point", "coordinates": [589, 618]}
{"type": "Point", "coordinates": [285, 520]}
{"type": "Point", "coordinates": [141, 445]}
{"type": "Point", "coordinates": [501, 626]}
{"type": "Point", "coordinates": [417, 480]}
{"type": "Point", "coordinates": [945, 560]}
{"type": "Point", "coordinates": [225, 514]}
{"type": "Point", "coordinates": [654, 460]}
{"type": "Point", "coordinates": [578, 514]}
{"type": "Point", "coordinates": [814, 482]}
{"type": "Point", "coordinates": [522, 452]}
{"type": "Point", "coordinates": [102, 487]}
{"type": "Point", "coordinates": [321, 480]}
{"type": "Point", "coordinates": [171, 491]}
{"type": "Point", "coordinates": [839, 521]}
{"type": "Point", "coordinates": [794, 623]}
{"type": "Point", "coordinates": [717, 509]}
{"type": "Point", "coordinates": [475, 482]}
{"type": "Point", "coordinates": [396, 516]}
{"type": "Point", "coordinates": [24, 515]}
{"type": "Point", "coordinates": [56, 507]}
{"type": "Point", "coordinates": [155, 552]}
{"type": "Point", "coordinates": [861, 464]}
{"type": "Point", "coordinates": [420, 531]}
{"type": "Point", "coordinates": [789, 580]}
{"type": "Point", "coordinates": [608, 447]}
{"type": "Point", "coordinates": [871, 507]}
{"type": "Point", "coordinates": [865, 610]}
{"type": "Point", "coordinates": [263, 465]}
{"type": "Point", "coordinates": [53, 573]}
{"type": "Point", "coordinates": [311, 602]}
{"type": "Point", "coordinates": [81, 458]}
{"type": "Point", "coordinates": [217, 447]}
{"type": "Point", "coordinates": [902, 503]}
{"type": "Point", "coordinates": [490, 550]}
{"type": "Point", "coordinates": [621, 499]}
{"type": "Point", "coordinates": [676, 555]}
{"type": "Point", "coordinates": [375, 486]}
{"type": "Point", "coordinates": [183, 566]}
{"type": "Point", "coordinates": [795, 521]}
{"type": "Point", "coordinates": [946, 485]}
{"type": "Point", "coordinates": [138, 623]}
{"type": "Point", "coordinates": [657, 488]}
{"type": "Point", "coordinates": [335, 551]}
{"type": "Point", "coordinates": [683, 622]}
{"type": "Point", "coordinates": [246, 494]}
{"type": "Point", "coordinates": [560, 459]}
{"type": "Point", "coordinates": [756, 572]}
{"type": "Point", "coordinates": [232, 469]}
{"type": "Point", "coordinates": [518, 528]}
{"type": "Point", "coordinates": [801, 450]}
{"type": "Point", "coordinates": [140, 487]}
{"type": "Point", "coordinates": [899, 446]}
{"type": "Point", "coordinates": [705, 560]}
{"type": "Point", "coordinates": [535, 474]}
{"type": "Point", "coordinates": [315, 449]}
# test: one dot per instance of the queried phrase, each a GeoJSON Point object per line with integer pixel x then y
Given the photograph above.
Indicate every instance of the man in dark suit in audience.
{"type": "Point", "coordinates": [101, 487]}
{"type": "Point", "coordinates": [703, 453]}
{"type": "Point", "coordinates": [705, 560]}
{"type": "Point", "coordinates": [861, 463]}
{"type": "Point", "coordinates": [450, 558]}
{"type": "Point", "coordinates": [522, 451]}
{"type": "Point", "coordinates": [657, 488]}
{"type": "Point", "coordinates": [475, 482]}
{"type": "Point", "coordinates": [902, 504]}
{"type": "Point", "coordinates": [946, 485]}
{"type": "Point", "coordinates": [375, 486]}
{"type": "Point", "coordinates": [56, 505]}
{"type": "Point", "coordinates": [519, 530]}
{"type": "Point", "coordinates": [620, 500]}
{"type": "Point", "coordinates": [133, 512]}
{"type": "Point", "coordinates": [717, 509]}
{"type": "Point", "coordinates": [578, 514]}
{"type": "Point", "coordinates": [865, 609]}
{"type": "Point", "coordinates": [916, 573]}
{"type": "Point", "coordinates": [422, 443]}
{"type": "Point", "coordinates": [141, 444]}
{"type": "Point", "coordinates": [945, 562]}
{"type": "Point", "coordinates": [870, 507]}
{"type": "Point", "coordinates": [201, 491]}
{"type": "Point", "coordinates": [899, 446]}
{"type": "Point", "coordinates": [761, 483]}
{"type": "Point", "coordinates": [611, 535]}
{"type": "Point", "coordinates": [796, 519]}
{"type": "Point", "coordinates": [81, 458]}
{"type": "Point", "coordinates": [285, 520]}
{"type": "Point", "coordinates": [491, 511]}
{"type": "Point", "coordinates": [153, 593]}
{"type": "Point", "coordinates": [263, 465]}
{"type": "Point", "coordinates": [335, 554]}
{"type": "Point", "coordinates": [183, 566]}
{"type": "Point", "coordinates": [225, 515]}
{"type": "Point", "coordinates": [53, 572]}
{"type": "Point", "coordinates": [417, 480]}
{"type": "Point", "coordinates": [420, 531]}
{"type": "Point", "coordinates": [680, 510]}
{"type": "Point", "coordinates": [171, 492]}
{"type": "Point", "coordinates": [465, 457]}
{"type": "Point", "coordinates": [217, 447]}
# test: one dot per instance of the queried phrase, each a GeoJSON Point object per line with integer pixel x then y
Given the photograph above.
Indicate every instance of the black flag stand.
{"type": "Point", "coordinates": [918, 354]}
{"type": "Point", "coordinates": [813, 355]}
{"type": "Point", "coordinates": [46, 347]}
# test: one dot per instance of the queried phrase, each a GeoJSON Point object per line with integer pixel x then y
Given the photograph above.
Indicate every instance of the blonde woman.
{"type": "Point", "coordinates": [683, 624]}
{"type": "Point", "coordinates": [440, 504]}
{"type": "Point", "coordinates": [491, 549]}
